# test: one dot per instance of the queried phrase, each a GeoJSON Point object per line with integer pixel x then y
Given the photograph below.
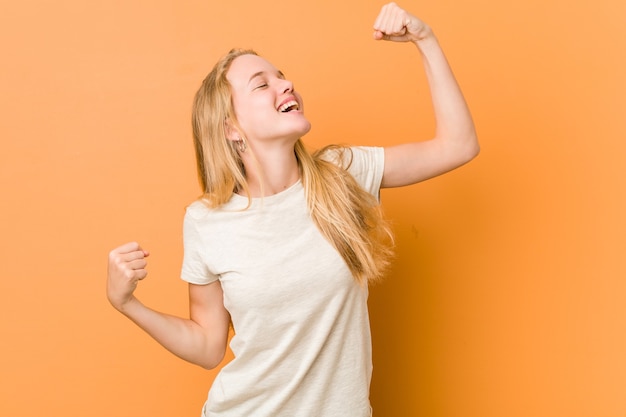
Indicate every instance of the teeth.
{"type": "Point", "coordinates": [287, 105]}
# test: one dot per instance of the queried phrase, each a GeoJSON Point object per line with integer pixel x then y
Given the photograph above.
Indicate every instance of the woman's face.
{"type": "Point", "coordinates": [266, 105]}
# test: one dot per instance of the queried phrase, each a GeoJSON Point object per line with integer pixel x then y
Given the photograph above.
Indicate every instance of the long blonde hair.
{"type": "Point", "coordinates": [347, 216]}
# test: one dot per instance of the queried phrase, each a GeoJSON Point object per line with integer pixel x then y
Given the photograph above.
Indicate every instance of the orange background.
{"type": "Point", "coordinates": [507, 298]}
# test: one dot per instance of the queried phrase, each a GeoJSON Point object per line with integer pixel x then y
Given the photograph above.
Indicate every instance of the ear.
{"type": "Point", "coordinates": [232, 133]}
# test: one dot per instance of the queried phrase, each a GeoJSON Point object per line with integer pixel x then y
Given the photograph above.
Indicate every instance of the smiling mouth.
{"type": "Point", "coordinates": [289, 106]}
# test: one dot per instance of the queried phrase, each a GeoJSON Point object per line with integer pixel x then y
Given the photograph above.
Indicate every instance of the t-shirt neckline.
{"type": "Point", "coordinates": [270, 199]}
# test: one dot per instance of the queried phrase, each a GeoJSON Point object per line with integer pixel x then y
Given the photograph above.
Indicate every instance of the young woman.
{"type": "Point", "coordinates": [283, 243]}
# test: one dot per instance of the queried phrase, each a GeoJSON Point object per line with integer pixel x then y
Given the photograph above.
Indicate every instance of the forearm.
{"type": "Point", "coordinates": [453, 119]}
{"type": "Point", "coordinates": [183, 337]}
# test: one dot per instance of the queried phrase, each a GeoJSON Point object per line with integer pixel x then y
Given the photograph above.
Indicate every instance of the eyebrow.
{"type": "Point", "coordinates": [260, 73]}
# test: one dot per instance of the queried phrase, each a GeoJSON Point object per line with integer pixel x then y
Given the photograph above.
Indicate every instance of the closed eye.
{"type": "Point", "coordinates": [260, 86]}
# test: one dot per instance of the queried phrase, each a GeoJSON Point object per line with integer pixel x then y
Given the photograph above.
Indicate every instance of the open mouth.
{"type": "Point", "coordinates": [289, 106]}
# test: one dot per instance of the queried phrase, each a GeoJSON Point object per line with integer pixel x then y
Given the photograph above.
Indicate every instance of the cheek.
{"type": "Point", "coordinates": [252, 112]}
{"type": "Point", "coordinates": [242, 112]}
{"type": "Point", "coordinates": [251, 120]}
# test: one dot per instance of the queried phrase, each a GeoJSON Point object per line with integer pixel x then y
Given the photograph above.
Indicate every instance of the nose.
{"type": "Point", "coordinates": [286, 86]}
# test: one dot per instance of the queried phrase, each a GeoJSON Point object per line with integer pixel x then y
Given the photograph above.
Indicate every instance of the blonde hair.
{"type": "Point", "coordinates": [347, 216]}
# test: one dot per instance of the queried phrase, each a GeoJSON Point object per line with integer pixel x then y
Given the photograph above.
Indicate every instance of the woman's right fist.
{"type": "Point", "coordinates": [127, 266]}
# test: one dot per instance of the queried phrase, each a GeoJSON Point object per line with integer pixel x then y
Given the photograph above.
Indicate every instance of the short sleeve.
{"type": "Point", "coordinates": [195, 269]}
{"type": "Point", "coordinates": [367, 167]}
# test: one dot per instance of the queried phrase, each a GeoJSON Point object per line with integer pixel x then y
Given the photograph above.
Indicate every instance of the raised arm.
{"type": "Point", "coordinates": [455, 141]}
{"type": "Point", "coordinates": [201, 339]}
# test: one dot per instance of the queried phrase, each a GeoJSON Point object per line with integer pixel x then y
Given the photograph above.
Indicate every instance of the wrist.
{"type": "Point", "coordinates": [427, 43]}
{"type": "Point", "coordinates": [126, 307]}
{"type": "Point", "coordinates": [424, 35]}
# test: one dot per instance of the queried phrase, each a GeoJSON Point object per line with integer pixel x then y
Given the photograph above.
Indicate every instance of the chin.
{"type": "Point", "coordinates": [306, 129]}
{"type": "Point", "coordinates": [298, 130]}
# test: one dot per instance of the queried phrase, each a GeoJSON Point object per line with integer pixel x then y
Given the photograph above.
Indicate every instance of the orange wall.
{"type": "Point", "coordinates": [507, 296]}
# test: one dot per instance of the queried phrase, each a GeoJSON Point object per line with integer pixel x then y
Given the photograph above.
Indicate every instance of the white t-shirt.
{"type": "Point", "coordinates": [302, 345]}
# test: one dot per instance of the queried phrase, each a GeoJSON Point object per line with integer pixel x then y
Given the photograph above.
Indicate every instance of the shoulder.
{"type": "Point", "coordinates": [197, 210]}
{"type": "Point", "coordinates": [365, 163]}
{"type": "Point", "coordinates": [352, 158]}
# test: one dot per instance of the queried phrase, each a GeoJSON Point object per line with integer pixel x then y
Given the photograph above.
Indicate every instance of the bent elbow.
{"type": "Point", "coordinates": [209, 365]}
{"type": "Point", "coordinates": [472, 148]}
{"type": "Point", "coordinates": [475, 151]}
{"type": "Point", "coordinates": [212, 360]}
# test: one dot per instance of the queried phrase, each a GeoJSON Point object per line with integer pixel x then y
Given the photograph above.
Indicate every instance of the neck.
{"type": "Point", "coordinates": [271, 171]}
